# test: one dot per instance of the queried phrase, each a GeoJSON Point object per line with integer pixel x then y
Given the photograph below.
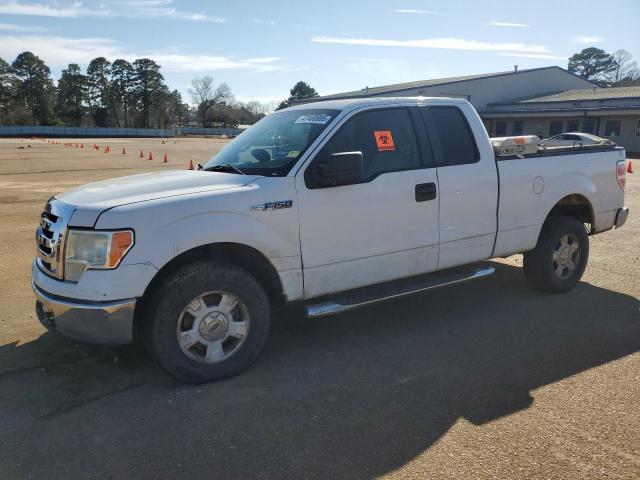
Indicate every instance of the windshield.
{"type": "Point", "coordinates": [273, 145]}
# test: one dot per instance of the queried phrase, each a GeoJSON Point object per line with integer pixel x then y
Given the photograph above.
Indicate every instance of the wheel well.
{"type": "Point", "coordinates": [240, 255]}
{"type": "Point", "coordinates": [576, 206]}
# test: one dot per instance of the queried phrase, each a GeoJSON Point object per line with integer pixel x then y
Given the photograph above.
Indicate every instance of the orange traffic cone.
{"type": "Point", "coordinates": [82, 145]}
{"type": "Point", "coordinates": [150, 156]}
{"type": "Point", "coordinates": [630, 167]}
{"type": "Point", "coordinates": [106, 149]}
{"type": "Point", "coordinates": [164, 160]}
{"type": "Point", "coordinates": [191, 165]}
{"type": "Point", "coordinates": [123, 151]}
{"type": "Point", "coordinates": [141, 154]}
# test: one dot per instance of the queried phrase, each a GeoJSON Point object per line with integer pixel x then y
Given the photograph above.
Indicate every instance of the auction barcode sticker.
{"type": "Point", "coordinates": [317, 119]}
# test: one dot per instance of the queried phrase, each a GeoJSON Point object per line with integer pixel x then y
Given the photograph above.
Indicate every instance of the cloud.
{"type": "Point", "coordinates": [123, 8]}
{"type": "Point", "coordinates": [534, 55]}
{"type": "Point", "coordinates": [495, 23]}
{"type": "Point", "coordinates": [60, 51]}
{"type": "Point", "coordinates": [444, 43]}
{"type": "Point", "coordinates": [586, 39]}
{"type": "Point", "coordinates": [71, 10]}
{"type": "Point", "coordinates": [11, 27]}
{"type": "Point", "coordinates": [163, 8]}
{"type": "Point", "coordinates": [418, 12]}
{"type": "Point", "coordinates": [260, 21]}
{"type": "Point", "coordinates": [368, 60]}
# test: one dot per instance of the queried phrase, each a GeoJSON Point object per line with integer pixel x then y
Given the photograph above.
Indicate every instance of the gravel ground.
{"type": "Point", "coordinates": [486, 380]}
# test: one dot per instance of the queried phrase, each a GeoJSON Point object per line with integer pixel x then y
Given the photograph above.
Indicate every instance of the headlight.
{"type": "Point", "coordinates": [87, 249]}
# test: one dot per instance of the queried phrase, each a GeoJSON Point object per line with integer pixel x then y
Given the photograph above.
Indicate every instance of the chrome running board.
{"type": "Point", "coordinates": [360, 297]}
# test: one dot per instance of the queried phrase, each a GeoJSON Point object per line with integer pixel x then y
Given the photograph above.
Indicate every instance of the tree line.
{"type": "Point", "coordinates": [111, 94]}
{"type": "Point", "coordinates": [617, 69]}
{"type": "Point", "coordinates": [133, 94]}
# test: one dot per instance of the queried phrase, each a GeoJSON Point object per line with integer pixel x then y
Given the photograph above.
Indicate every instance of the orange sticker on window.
{"type": "Point", "coordinates": [384, 140]}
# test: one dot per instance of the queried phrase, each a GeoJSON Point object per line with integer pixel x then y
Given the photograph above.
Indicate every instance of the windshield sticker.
{"type": "Point", "coordinates": [317, 119]}
{"type": "Point", "coordinates": [384, 140]}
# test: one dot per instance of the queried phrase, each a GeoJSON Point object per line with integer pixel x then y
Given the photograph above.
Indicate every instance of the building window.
{"type": "Point", "coordinates": [612, 128]}
{"type": "Point", "coordinates": [501, 128]}
{"type": "Point", "coordinates": [555, 127]}
{"type": "Point", "coordinates": [638, 128]}
{"type": "Point", "coordinates": [573, 126]}
{"type": "Point", "coordinates": [589, 126]}
{"type": "Point", "coordinates": [518, 127]}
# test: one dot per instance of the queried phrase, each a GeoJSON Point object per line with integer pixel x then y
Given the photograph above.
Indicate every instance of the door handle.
{"type": "Point", "coordinates": [425, 191]}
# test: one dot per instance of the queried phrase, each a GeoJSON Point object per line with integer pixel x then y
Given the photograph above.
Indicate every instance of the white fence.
{"type": "Point", "coordinates": [77, 132]}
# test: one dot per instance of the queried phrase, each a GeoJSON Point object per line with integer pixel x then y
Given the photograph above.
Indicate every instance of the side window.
{"type": "Point", "coordinates": [449, 128]}
{"type": "Point", "coordinates": [386, 139]}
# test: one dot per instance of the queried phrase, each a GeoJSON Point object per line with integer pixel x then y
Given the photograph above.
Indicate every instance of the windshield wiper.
{"type": "Point", "coordinates": [224, 167]}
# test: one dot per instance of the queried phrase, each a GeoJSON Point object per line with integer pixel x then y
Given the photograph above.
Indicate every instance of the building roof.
{"type": "Point", "coordinates": [398, 87]}
{"type": "Point", "coordinates": [584, 94]}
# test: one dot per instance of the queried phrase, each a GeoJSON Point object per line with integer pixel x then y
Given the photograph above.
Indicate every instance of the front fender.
{"type": "Point", "coordinates": [168, 227]}
{"type": "Point", "coordinates": [203, 229]}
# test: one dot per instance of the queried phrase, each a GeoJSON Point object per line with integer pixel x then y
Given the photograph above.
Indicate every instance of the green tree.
{"type": "Point", "coordinates": [6, 91]}
{"type": "Point", "coordinates": [147, 86]}
{"type": "Point", "coordinates": [99, 91]}
{"type": "Point", "coordinates": [593, 64]}
{"type": "Point", "coordinates": [122, 87]}
{"type": "Point", "coordinates": [72, 93]}
{"type": "Point", "coordinates": [35, 88]}
{"type": "Point", "coordinates": [167, 109]}
{"type": "Point", "coordinates": [300, 91]}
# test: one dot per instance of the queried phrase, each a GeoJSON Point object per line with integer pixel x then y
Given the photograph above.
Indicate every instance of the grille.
{"type": "Point", "coordinates": [50, 237]}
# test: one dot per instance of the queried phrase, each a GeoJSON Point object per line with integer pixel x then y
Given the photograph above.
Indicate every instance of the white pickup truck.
{"type": "Point", "coordinates": [334, 204]}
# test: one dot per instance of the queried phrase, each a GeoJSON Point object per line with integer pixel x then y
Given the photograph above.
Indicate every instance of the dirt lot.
{"type": "Point", "coordinates": [488, 380]}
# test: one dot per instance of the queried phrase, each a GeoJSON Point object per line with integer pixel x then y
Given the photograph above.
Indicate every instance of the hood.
{"type": "Point", "coordinates": [92, 199]}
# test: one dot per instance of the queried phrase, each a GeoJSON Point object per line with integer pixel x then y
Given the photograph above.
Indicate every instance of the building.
{"type": "Point", "coordinates": [612, 113]}
{"type": "Point", "coordinates": [539, 101]}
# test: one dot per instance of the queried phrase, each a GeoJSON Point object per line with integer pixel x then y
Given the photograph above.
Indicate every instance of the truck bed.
{"type": "Point", "coordinates": [535, 183]}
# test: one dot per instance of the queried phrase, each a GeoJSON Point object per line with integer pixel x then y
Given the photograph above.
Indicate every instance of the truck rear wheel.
{"type": "Point", "coordinates": [560, 257]}
{"type": "Point", "coordinates": [209, 321]}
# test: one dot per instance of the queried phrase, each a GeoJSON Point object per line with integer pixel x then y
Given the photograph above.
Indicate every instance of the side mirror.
{"type": "Point", "coordinates": [344, 168]}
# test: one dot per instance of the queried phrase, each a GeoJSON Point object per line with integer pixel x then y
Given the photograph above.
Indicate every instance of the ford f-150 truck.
{"type": "Point", "coordinates": [334, 205]}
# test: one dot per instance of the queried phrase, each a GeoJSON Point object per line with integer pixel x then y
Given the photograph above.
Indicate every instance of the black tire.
{"type": "Point", "coordinates": [539, 264]}
{"type": "Point", "coordinates": [177, 291]}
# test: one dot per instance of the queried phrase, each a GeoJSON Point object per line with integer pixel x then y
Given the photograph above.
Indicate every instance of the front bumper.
{"type": "Point", "coordinates": [109, 322]}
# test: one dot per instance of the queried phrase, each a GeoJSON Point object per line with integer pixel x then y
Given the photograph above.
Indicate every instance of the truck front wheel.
{"type": "Point", "coordinates": [560, 257]}
{"type": "Point", "coordinates": [209, 321]}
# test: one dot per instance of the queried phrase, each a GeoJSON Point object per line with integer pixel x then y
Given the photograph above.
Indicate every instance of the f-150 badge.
{"type": "Point", "coordinates": [272, 205]}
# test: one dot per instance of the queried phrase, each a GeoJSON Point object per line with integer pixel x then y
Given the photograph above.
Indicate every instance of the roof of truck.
{"type": "Point", "coordinates": [351, 103]}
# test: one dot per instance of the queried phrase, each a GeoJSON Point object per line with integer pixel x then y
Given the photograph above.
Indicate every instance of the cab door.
{"type": "Point", "coordinates": [468, 183]}
{"type": "Point", "coordinates": [385, 226]}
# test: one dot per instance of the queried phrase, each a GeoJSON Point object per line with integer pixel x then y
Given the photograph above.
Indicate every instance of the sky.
{"type": "Point", "coordinates": [261, 48]}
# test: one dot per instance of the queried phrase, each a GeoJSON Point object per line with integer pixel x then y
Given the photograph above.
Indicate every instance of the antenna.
{"type": "Point", "coordinates": [515, 69]}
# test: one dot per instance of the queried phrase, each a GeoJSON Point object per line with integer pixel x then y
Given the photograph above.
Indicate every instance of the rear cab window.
{"type": "Point", "coordinates": [451, 135]}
